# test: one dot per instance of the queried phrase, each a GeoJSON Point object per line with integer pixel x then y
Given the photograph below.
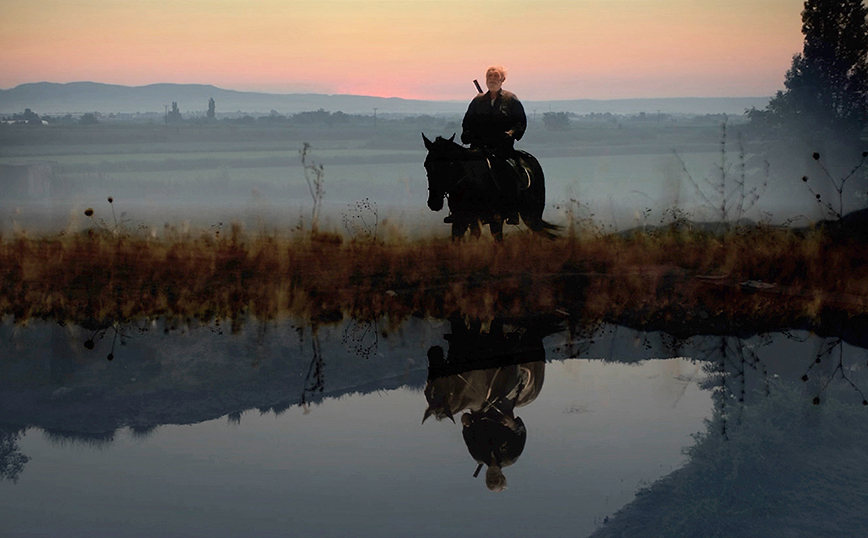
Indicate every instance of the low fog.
{"type": "Point", "coordinates": [607, 170]}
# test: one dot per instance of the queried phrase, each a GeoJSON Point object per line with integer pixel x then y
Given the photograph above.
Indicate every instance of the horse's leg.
{"type": "Point", "coordinates": [475, 229]}
{"type": "Point", "coordinates": [496, 227]}
{"type": "Point", "coordinates": [459, 226]}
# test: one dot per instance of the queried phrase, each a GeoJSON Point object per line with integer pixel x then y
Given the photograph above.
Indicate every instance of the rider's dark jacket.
{"type": "Point", "coordinates": [485, 124]}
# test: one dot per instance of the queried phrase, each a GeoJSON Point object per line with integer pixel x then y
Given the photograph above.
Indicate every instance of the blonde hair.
{"type": "Point", "coordinates": [497, 68]}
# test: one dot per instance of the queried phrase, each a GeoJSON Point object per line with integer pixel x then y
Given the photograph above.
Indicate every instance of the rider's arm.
{"type": "Point", "coordinates": [518, 119]}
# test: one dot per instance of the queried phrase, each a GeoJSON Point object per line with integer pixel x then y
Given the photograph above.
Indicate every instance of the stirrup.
{"type": "Point", "coordinates": [525, 175]}
{"type": "Point", "coordinates": [521, 172]}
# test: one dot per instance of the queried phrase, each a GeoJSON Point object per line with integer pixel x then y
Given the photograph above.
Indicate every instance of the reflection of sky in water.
{"type": "Point", "coordinates": [361, 463]}
{"type": "Point", "coordinates": [366, 466]}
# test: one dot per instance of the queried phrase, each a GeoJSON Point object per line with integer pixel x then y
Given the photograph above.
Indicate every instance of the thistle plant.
{"type": "Point", "coordinates": [101, 223]}
{"type": "Point", "coordinates": [838, 185]}
{"type": "Point", "coordinates": [362, 219]}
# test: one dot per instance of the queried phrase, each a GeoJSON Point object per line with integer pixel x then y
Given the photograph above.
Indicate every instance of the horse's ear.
{"type": "Point", "coordinates": [452, 138]}
{"type": "Point", "coordinates": [427, 142]}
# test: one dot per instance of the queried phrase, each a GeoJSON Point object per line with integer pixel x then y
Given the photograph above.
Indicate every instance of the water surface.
{"type": "Point", "coordinates": [278, 429]}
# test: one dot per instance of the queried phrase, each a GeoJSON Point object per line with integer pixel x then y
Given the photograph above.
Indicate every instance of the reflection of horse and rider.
{"type": "Point", "coordinates": [491, 182]}
{"type": "Point", "coordinates": [497, 371]}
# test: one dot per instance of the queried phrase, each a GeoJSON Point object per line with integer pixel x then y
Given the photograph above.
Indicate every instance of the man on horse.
{"type": "Point", "coordinates": [493, 122]}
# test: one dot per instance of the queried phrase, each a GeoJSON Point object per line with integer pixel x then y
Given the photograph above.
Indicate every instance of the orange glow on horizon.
{"type": "Point", "coordinates": [427, 49]}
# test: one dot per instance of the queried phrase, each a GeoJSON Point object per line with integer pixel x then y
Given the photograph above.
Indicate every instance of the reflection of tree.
{"type": "Point", "coordinates": [789, 468]}
{"type": "Point", "coordinates": [314, 381]}
{"type": "Point", "coordinates": [12, 461]}
{"type": "Point", "coordinates": [121, 332]}
{"type": "Point", "coordinates": [729, 360]}
{"type": "Point", "coordinates": [363, 337]}
{"type": "Point", "coordinates": [827, 350]}
{"type": "Point", "coordinates": [775, 464]}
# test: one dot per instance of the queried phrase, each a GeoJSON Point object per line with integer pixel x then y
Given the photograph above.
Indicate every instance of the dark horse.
{"type": "Point", "coordinates": [466, 178]}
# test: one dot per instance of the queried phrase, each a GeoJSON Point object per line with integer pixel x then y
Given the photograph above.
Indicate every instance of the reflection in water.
{"type": "Point", "coordinates": [783, 452]}
{"type": "Point", "coordinates": [11, 459]}
{"type": "Point", "coordinates": [494, 436]}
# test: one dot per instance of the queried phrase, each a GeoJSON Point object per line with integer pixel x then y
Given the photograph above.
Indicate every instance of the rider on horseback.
{"type": "Point", "coordinates": [493, 122]}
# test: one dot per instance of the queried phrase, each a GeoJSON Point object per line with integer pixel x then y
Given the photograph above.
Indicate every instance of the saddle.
{"type": "Point", "coordinates": [522, 170]}
{"type": "Point", "coordinates": [520, 167]}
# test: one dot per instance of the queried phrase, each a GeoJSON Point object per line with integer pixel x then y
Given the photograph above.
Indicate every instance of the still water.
{"type": "Point", "coordinates": [281, 429]}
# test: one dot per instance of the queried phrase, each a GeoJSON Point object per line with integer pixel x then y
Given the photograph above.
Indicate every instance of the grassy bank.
{"type": "Point", "coordinates": [678, 277]}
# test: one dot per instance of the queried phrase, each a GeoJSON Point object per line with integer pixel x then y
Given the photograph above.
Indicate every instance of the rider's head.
{"type": "Point", "coordinates": [495, 440]}
{"type": "Point", "coordinates": [494, 479]}
{"type": "Point", "coordinates": [494, 77]}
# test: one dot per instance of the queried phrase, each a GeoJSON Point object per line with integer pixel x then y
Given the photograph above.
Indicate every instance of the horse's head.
{"type": "Point", "coordinates": [440, 168]}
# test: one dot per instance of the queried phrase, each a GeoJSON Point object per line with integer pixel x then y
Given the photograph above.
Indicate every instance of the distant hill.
{"type": "Point", "coordinates": [79, 97]}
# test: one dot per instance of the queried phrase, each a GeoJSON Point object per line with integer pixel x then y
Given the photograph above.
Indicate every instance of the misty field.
{"type": "Point", "coordinates": [215, 222]}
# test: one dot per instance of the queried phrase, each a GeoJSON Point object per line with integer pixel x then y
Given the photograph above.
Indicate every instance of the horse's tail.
{"type": "Point", "coordinates": [541, 227]}
{"type": "Point", "coordinates": [533, 200]}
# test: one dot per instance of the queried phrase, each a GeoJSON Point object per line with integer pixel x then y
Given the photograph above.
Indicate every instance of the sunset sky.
{"type": "Point", "coordinates": [427, 49]}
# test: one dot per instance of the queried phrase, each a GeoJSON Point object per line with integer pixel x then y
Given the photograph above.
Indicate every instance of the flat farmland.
{"type": "Point", "coordinates": [619, 176]}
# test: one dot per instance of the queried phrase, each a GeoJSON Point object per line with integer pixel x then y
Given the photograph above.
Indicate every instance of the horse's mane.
{"type": "Point", "coordinates": [446, 145]}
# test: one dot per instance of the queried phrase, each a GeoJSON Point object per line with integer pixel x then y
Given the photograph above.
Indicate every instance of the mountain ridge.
{"type": "Point", "coordinates": [85, 96]}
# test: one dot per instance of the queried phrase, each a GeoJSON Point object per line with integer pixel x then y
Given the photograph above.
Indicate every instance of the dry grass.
{"type": "Point", "coordinates": [670, 277]}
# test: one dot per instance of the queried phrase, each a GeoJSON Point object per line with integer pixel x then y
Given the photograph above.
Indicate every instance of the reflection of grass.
{"type": "Point", "coordinates": [671, 276]}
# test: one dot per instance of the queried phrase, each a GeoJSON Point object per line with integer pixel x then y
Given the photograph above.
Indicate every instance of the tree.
{"type": "Point", "coordinates": [29, 117]}
{"type": "Point", "coordinates": [88, 118]}
{"type": "Point", "coordinates": [556, 121]}
{"type": "Point", "coordinates": [212, 107]}
{"type": "Point", "coordinates": [174, 115]}
{"type": "Point", "coordinates": [827, 85]}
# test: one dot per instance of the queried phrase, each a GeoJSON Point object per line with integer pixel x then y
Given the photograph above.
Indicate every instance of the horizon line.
{"type": "Point", "coordinates": [372, 96]}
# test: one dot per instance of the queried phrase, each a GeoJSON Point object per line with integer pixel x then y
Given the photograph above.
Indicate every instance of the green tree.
{"type": "Point", "coordinates": [212, 108]}
{"type": "Point", "coordinates": [827, 85]}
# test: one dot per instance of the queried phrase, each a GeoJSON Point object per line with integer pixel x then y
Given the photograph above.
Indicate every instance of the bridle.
{"type": "Point", "coordinates": [455, 169]}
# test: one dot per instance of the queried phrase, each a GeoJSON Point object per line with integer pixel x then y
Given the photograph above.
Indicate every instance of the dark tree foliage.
{"type": "Point", "coordinates": [556, 121]}
{"type": "Point", "coordinates": [12, 461]}
{"type": "Point", "coordinates": [28, 117]}
{"type": "Point", "coordinates": [174, 115]}
{"type": "Point", "coordinates": [827, 85]}
{"type": "Point", "coordinates": [212, 108]}
{"type": "Point", "coordinates": [88, 118]}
